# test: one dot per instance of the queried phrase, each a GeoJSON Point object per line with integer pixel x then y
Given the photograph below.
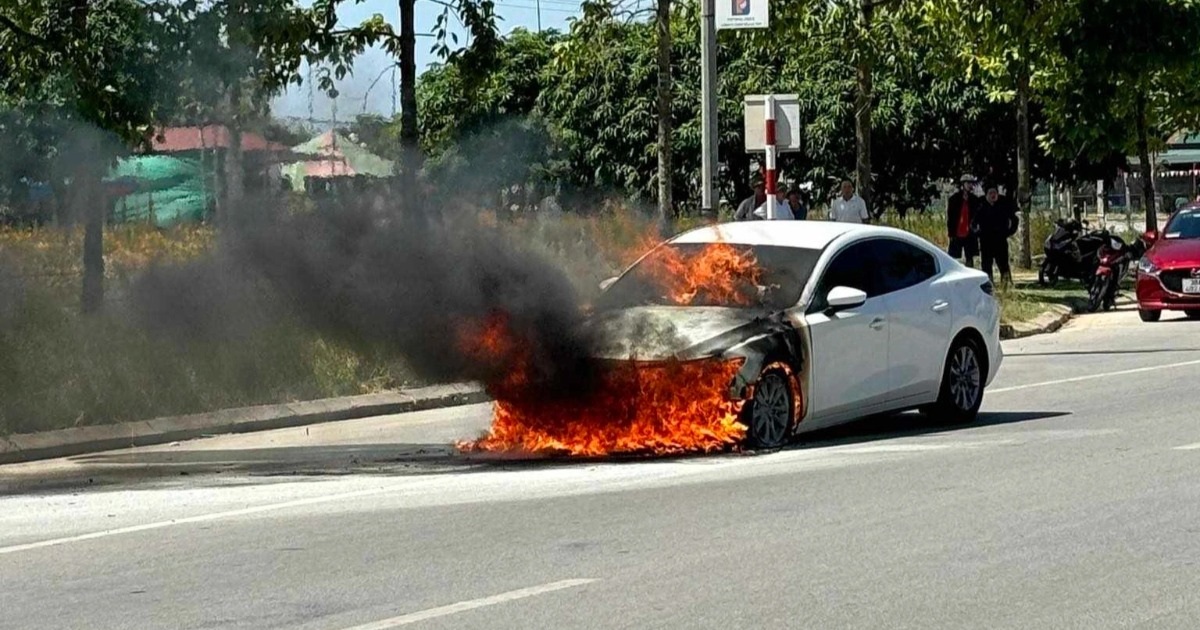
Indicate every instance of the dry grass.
{"type": "Point", "coordinates": [60, 369]}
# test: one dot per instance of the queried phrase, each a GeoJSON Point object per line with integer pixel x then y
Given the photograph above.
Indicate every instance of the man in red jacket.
{"type": "Point", "coordinates": [961, 212]}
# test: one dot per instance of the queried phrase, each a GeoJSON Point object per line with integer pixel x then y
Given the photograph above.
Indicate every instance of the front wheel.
{"type": "Point", "coordinates": [1149, 316]}
{"type": "Point", "coordinates": [1047, 275]}
{"type": "Point", "coordinates": [1096, 293]}
{"type": "Point", "coordinates": [962, 385]}
{"type": "Point", "coordinates": [768, 415]}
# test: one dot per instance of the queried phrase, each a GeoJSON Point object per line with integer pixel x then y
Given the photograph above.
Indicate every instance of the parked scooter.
{"type": "Point", "coordinates": [1115, 259]}
{"type": "Point", "coordinates": [1070, 253]}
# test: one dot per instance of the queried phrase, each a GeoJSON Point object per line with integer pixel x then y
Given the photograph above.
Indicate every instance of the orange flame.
{"type": "Point", "coordinates": [662, 408]}
{"type": "Point", "coordinates": [719, 272]}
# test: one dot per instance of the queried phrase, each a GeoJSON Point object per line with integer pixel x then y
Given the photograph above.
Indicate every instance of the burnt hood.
{"type": "Point", "coordinates": [671, 332]}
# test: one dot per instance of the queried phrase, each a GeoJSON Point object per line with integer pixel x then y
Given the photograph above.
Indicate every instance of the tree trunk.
{"type": "Point", "coordinates": [86, 186]}
{"type": "Point", "coordinates": [1024, 165]}
{"type": "Point", "coordinates": [410, 150]}
{"type": "Point", "coordinates": [93, 245]}
{"type": "Point", "coordinates": [863, 106]}
{"type": "Point", "coordinates": [662, 23]}
{"type": "Point", "coordinates": [235, 168]}
{"type": "Point", "coordinates": [1143, 146]}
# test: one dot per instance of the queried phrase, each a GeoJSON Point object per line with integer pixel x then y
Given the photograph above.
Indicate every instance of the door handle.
{"type": "Point", "coordinates": [877, 323]}
{"type": "Point", "coordinates": [940, 305]}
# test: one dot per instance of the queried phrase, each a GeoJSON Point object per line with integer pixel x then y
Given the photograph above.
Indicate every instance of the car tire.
{"type": "Point", "coordinates": [1192, 314]}
{"type": "Point", "coordinates": [1149, 316]}
{"type": "Point", "coordinates": [963, 382]}
{"type": "Point", "coordinates": [768, 415]}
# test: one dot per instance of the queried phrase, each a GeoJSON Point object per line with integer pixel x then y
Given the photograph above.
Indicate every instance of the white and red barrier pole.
{"type": "Point", "coordinates": [770, 177]}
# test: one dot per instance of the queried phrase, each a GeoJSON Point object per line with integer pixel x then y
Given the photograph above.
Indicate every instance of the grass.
{"type": "Point", "coordinates": [60, 369]}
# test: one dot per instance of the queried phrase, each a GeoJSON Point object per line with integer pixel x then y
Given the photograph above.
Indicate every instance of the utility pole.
{"type": "Point", "coordinates": [538, 4]}
{"type": "Point", "coordinates": [708, 107]}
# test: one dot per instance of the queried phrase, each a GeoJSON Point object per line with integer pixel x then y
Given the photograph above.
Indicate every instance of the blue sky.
{"type": "Point", "coordinates": [354, 95]}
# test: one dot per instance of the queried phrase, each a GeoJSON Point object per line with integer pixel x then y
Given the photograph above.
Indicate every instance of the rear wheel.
{"type": "Point", "coordinates": [1192, 314]}
{"type": "Point", "coordinates": [768, 415]}
{"type": "Point", "coordinates": [1150, 316]}
{"type": "Point", "coordinates": [962, 385]}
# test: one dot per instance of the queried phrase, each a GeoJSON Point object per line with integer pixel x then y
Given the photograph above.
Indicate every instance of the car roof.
{"type": "Point", "coordinates": [800, 234]}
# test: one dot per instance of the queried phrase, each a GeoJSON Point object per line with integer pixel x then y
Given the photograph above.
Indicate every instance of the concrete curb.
{"type": "Point", "coordinates": [92, 439]}
{"type": "Point", "coordinates": [1049, 321]}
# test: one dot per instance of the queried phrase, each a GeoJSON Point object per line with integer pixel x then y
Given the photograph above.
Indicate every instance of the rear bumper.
{"type": "Point", "coordinates": [995, 350]}
{"type": "Point", "coordinates": [1153, 296]}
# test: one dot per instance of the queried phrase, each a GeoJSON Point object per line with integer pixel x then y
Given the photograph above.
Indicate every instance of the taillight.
{"type": "Point", "coordinates": [988, 288]}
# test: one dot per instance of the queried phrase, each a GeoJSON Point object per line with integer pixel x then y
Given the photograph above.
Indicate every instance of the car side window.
{"type": "Point", "coordinates": [854, 267]}
{"type": "Point", "coordinates": [902, 265]}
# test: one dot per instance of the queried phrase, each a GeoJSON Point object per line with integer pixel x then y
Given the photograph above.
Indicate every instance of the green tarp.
{"type": "Point", "coordinates": [167, 190]}
{"type": "Point", "coordinates": [332, 156]}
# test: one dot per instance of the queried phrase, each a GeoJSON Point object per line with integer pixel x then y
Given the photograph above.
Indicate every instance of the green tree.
{"type": "Point", "coordinates": [86, 72]}
{"type": "Point", "coordinates": [1126, 79]}
{"type": "Point", "coordinates": [1009, 45]}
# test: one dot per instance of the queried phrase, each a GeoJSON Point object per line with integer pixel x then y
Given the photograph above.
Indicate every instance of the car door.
{"type": "Point", "coordinates": [919, 316]}
{"type": "Point", "coordinates": [849, 348]}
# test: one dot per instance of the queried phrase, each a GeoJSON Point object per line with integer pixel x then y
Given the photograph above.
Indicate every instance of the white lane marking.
{"type": "Point", "coordinates": [471, 604]}
{"type": "Point", "coordinates": [195, 519]}
{"type": "Point", "coordinates": [1188, 447]}
{"type": "Point", "coordinates": [1090, 377]}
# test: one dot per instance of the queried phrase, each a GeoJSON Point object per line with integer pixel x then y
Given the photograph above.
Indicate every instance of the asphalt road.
{"type": "Point", "coordinates": [1073, 503]}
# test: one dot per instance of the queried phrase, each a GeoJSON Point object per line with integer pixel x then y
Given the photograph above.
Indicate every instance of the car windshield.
{"type": "Point", "coordinates": [714, 274]}
{"type": "Point", "coordinates": [1184, 225]}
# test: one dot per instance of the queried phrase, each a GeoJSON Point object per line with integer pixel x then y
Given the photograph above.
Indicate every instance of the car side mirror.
{"type": "Point", "coordinates": [607, 283]}
{"type": "Point", "coordinates": [843, 299]}
{"type": "Point", "coordinates": [1151, 236]}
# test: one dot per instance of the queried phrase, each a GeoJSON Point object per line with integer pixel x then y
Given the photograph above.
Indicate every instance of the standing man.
{"type": "Point", "coordinates": [961, 210]}
{"type": "Point", "coordinates": [848, 207]}
{"type": "Point", "coordinates": [745, 210]}
{"type": "Point", "coordinates": [783, 212]}
{"type": "Point", "coordinates": [998, 220]}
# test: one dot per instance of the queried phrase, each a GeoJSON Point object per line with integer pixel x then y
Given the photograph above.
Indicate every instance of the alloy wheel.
{"type": "Point", "coordinates": [771, 414]}
{"type": "Point", "coordinates": [965, 378]}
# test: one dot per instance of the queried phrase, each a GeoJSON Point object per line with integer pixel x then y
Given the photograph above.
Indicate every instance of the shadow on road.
{"type": "Point", "coordinates": [912, 424]}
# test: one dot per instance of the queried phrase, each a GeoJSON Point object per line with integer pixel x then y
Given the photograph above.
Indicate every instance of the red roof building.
{"type": "Point", "coordinates": [184, 139]}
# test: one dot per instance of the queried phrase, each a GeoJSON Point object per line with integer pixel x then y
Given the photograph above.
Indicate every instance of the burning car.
{"type": "Point", "coordinates": [753, 332]}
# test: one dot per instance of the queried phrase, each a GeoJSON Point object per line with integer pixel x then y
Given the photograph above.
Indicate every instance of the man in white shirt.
{"type": "Point", "coordinates": [783, 211]}
{"type": "Point", "coordinates": [849, 207]}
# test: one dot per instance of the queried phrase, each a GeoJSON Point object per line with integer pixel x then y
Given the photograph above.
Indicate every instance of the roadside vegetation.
{"type": "Point", "coordinates": [76, 370]}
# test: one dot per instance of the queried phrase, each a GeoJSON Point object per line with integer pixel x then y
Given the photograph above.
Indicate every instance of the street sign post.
{"type": "Point", "coordinates": [772, 125]}
{"type": "Point", "coordinates": [787, 122]}
{"type": "Point", "coordinates": [733, 14]}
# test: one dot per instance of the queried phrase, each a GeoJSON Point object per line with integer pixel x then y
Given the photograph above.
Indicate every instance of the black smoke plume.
{"type": "Point", "coordinates": [409, 284]}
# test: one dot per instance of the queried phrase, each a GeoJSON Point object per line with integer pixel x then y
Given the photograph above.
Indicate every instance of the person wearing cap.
{"type": "Point", "coordinates": [997, 220]}
{"type": "Point", "coordinates": [745, 210]}
{"type": "Point", "coordinates": [961, 212]}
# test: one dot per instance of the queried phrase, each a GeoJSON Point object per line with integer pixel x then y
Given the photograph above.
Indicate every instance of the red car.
{"type": "Point", "coordinates": [1168, 276]}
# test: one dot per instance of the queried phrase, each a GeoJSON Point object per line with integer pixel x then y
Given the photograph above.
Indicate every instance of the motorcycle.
{"type": "Point", "coordinates": [1115, 260]}
{"type": "Point", "coordinates": [1070, 253]}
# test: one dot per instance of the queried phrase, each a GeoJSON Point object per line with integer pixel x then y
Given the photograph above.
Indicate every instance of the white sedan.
{"type": "Point", "coordinates": [843, 321]}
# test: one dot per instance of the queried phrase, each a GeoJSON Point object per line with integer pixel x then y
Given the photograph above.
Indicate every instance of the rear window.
{"type": "Point", "coordinates": [1184, 225]}
{"type": "Point", "coordinates": [715, 274]}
